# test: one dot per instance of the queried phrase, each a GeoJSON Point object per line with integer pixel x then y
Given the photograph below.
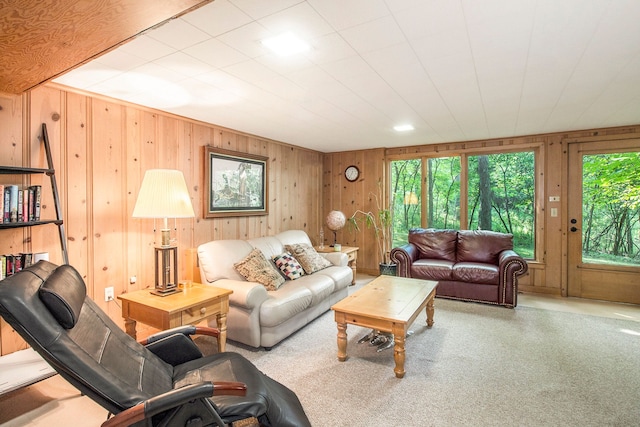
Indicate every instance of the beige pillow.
{"type": "Point", "coordinates": [308, 258]}
{"type": "Point", "coordinates": [256, 268]}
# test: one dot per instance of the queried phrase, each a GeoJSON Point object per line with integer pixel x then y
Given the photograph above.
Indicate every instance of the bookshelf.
{"type": "Point", "coordinates": [25, 367]}
{"type": "Point", "coordinates": [50, 172]}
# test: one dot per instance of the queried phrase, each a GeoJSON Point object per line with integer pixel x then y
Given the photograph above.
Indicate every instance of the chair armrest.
{"type": "Point", "coordinates": [175, 349]}
{"type": "Point", "coordinates": [511, 265]}
{"type": "Point", "coordinates": [185, 330]}
{"type": "Point", "coordinates": [175, 346]}
{"type": "Point", "coordinates": [404, 256]}
{"type": "Point", "coordinates": [247, 295]}
{"type": "Point", "coordinates": [174, 399]}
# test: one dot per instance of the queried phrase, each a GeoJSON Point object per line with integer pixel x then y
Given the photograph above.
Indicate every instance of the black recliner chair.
{"type": "Point", "coordinates": [166, 383]}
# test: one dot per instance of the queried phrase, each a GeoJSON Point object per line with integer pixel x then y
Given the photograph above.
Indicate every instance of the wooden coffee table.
{"type": "Point", "coordinates": [388, 304]}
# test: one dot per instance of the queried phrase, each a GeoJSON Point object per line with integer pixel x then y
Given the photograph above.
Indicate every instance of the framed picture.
{"type": "Point", "coordinates": [235, 184]}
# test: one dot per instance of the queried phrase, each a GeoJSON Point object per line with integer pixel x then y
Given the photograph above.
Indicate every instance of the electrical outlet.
{"type": "Point", "coordinates": [108, 294]}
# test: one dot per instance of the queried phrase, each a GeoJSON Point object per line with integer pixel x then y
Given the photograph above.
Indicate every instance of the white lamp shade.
{"type": "Point", "coordinates": [163, 194]}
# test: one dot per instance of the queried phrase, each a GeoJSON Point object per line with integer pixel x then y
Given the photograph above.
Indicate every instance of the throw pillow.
{"type": "Point", "coordinates": [289, 266]}
{"type": "Point", "coordinates": [310, 260]}
{"type": "Point", "coordinates": [256, 268]}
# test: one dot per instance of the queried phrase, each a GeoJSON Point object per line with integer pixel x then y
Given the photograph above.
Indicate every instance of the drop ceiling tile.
{"type": "Point", "coordinates": [215, 53]}
{"type": "Point", "coordinates": [287, 65]}
{"type": "Point", "coordinates": [300, 19]}
{"type": "Point", "coordinates": [178, 34]}
{"type": "Point", "coordinates": [217, 18]}
{"type": "Point", "coordinates": [373, 35]}
{"type": "Point", "coordinates": [260, 8]}
{"type": "Point", "coordinates": [184, 64]}
{"type": "Point", "coordinates": [146, 48]}
{"type": "Point", "coordinates": [247, 39]}
{"type": "Point", "coordinates": [88, 75]}
{"type": "Point", "coordinates": [120, 60]}
{"type": "Point", "coordinates": [347, 14]}
{"type": "Point", "coordinates": [329, 48]}
{"type": "Point", "coordinates": [426, 18]}
{"type": "Point", "coordinates": [346, 68]}
{"type": "Point", "coordinates": [251, 71]}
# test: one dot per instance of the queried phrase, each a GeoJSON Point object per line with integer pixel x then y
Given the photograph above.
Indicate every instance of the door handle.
{"type": "Point", "coordinates": [573, 229]}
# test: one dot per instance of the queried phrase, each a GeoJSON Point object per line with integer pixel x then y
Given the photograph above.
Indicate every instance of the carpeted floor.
{"type": "Point", "coordinates": [478, 365]}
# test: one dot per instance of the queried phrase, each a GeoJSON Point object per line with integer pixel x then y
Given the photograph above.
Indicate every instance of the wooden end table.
{"type": "Point", "coordinates": [388, 304]}
{"type": "Point", "coordinates": [191, 305]}
{"type": "Point", "coordinates": [352, 254]}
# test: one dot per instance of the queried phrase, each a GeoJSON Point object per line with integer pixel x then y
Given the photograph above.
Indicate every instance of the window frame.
{"type": "Point", "coordinates": [539, 190]}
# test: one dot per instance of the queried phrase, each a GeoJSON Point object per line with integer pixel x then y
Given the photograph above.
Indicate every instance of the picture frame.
{"type": "Point", "coordinates": [235, 183]}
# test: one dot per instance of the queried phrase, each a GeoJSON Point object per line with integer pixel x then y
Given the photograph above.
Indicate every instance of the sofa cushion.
{"type": "Point", "coordinates": [289, 300]}
{"type": "Point", "coordinates": [320, 286]}
{"type": "Point", "coordinates": [482, 245]}
{"type": "Point", "coordinates": [256, 268]}
{"type": "Point", "coordinates": [268, 245]}
{"type": "Point", "coordinates": [475, 272]}
{"type": "Point", "coordinates": [432, 269]}
{"type": "Point", "coordinates": [289, 266]}
{"type": "Point", "coordinates": [310, 260]}
{"type": "Point", "coordinates": [434, 244]}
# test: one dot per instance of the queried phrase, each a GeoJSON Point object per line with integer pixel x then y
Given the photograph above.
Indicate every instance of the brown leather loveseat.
{"type": "Point", "coordinates": [470, 265]}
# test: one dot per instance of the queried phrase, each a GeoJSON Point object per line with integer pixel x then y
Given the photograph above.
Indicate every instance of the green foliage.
{"type": "Point", "coordinates": [508, 191]}
{"type": "Point", "coordinates": [510, 195]}
{"type": "Point", "coordinates": [611, 207]}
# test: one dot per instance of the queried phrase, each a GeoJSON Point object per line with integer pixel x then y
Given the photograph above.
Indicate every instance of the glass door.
{"type": "Point", "coordinates": [604, 220]}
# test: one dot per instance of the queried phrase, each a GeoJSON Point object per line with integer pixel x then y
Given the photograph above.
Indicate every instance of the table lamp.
{"type": "Point", "coordinates": [164, 194]}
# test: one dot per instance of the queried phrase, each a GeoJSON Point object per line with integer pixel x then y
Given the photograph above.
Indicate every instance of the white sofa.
{"type": "Point", "coordinates": [261, 318]}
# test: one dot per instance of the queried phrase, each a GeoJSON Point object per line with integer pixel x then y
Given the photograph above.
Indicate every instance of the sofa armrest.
{"type": "Point", "coordinates": [245, 294]}
{"type": "Point", "coordinates": [511, 266]}
{"type": "Point", "coordinates": [336, 258]}
{"type": "Point", "coordinates": [404, 256]}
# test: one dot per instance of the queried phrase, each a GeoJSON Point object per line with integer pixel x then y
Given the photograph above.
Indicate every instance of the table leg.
{"type": "Point", "coordinates": [221, 320]}
{"type": "Point", "coordinates": [399, 351]}
{"type": "Point", "coordinates": [130, 328]}
{"type": "Point", "coordinates": [342, 342]}
{"type": "Point", "coordinates": [430, 311]}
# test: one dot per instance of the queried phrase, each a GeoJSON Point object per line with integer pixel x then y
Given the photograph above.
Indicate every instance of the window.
{"type": "Point", "coordinates": [441, 195]}
{"type": "Point", "coordinates": [499, 195]}
{"type": "Point", "coordinates": [611, 208]}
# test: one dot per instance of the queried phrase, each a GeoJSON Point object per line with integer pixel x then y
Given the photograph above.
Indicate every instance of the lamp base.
{"type": "Point", "coordinates": [164, 292]}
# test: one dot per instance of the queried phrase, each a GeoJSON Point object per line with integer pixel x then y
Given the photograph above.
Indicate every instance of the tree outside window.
{"type": "Point", "coordinates": [500, 195]}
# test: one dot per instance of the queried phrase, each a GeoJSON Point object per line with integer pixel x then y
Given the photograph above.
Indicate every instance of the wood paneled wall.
{"type": "Point", "coordinates": [101, 149]}
{"type": "Point", "coordinates": [547, 274]}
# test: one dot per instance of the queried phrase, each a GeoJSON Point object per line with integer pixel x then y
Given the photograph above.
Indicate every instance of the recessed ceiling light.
{"type": "Point", "coordinates": [403, 128]}
{"type": "Point", "coordinates": [286, 44]}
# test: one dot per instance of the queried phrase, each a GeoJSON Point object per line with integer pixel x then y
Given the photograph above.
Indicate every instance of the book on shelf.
{"type": "Point", "coordinates": [20, 204]}
{"type": "Point", "coordinates": [10, 264]}
{"type": "Point", "coordinates": [13, 203]}
{"type": "Point", "coordinates": [37, 196]}
{"type": "Point", "coordinates": [6, 215]}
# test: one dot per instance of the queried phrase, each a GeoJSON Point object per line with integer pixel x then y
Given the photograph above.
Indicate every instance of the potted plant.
{"type": "Point", "coordinates": [380, 221]}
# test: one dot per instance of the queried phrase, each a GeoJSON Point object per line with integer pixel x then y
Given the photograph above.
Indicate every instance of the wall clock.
{"type": "Point", "coordinates": [351, 173]}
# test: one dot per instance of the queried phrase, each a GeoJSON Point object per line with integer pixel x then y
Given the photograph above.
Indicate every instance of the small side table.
{"type": "Point", "coordinates": [190, 306]}
{"type": "Point", "coordinates": [352, 254]}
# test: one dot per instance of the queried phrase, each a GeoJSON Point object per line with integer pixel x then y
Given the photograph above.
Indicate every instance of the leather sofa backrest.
{"type": "Point", "coordinates": [434, 244]}
{"type": "Point", "coordinates": [482, 245]}
{"type": "Point", "coordinates": [217, 257]}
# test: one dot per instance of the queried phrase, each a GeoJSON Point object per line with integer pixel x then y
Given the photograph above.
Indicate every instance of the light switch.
{"type": "Point", "coordinates": [554, 212]}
